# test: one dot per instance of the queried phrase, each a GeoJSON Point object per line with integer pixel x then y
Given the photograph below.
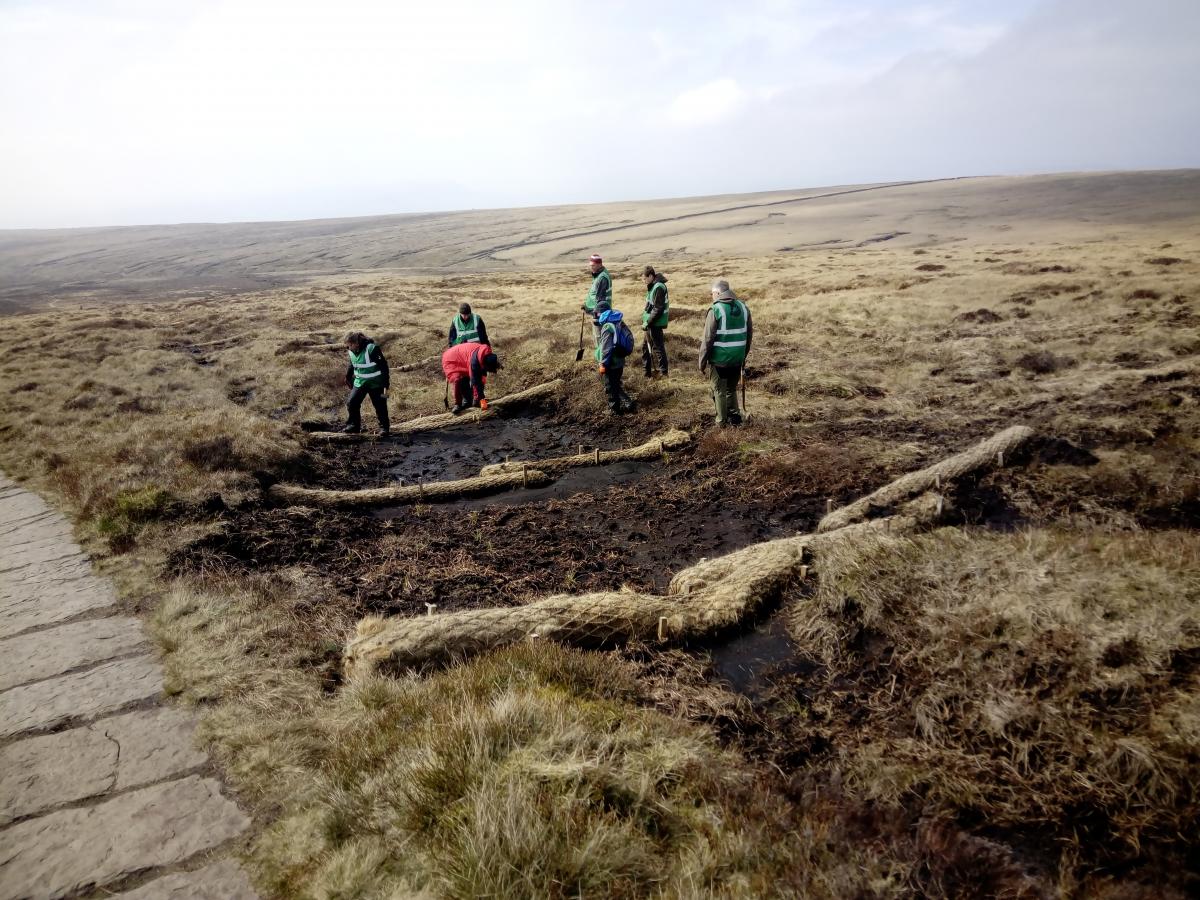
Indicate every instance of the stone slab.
{"type": "Point", "coordinates": [113, 754]}
{"type": "Point", "coordinates": [85, 695]}
{"type": "Point", "coordinates": [45, 594]}
{"type": "Point", "coordinates": [74, 849]}
{"type": "Point", "coordinates": [50, 770]}
{"type": "Point", "coordinates": [44, 654]}
{"type": "Point", "coordinates": [222, 880]}
{"type": "Point", "coordinates": [154, 744]}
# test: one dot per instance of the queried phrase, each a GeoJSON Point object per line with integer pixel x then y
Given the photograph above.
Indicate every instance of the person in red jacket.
{"type": "Point", "coordinates": [466, 367]}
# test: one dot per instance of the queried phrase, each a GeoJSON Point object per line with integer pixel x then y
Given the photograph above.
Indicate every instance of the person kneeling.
{"type": "Point", "coordinates": [465, 367]}
{"type": "Point", "coordinates": [616, 343]}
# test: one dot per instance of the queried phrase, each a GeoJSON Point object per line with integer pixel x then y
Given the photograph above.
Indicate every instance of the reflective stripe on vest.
{"type": "Point", "coordinates": [590, 303]}
{"type": "Point", "coordinates": [729, 348]}
{"type": "Point", "coordinates": [465, 335]}
{"type": "Point", "coordinates": [659, 321]}
{"type": "Point", "coordinates": [364, 369]}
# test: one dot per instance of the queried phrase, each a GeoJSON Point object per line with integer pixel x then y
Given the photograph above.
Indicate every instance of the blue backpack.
{"type": "Point", "coordinates": [623, 343]}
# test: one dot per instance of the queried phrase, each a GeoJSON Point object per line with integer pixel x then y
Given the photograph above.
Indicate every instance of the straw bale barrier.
{"type": "Point", "coordinates": [992, 450]}
{"type": "Point", "coordinates": [704, 598]}
{"type": "Point", "coordinates": [650, 449]}
{"type": "Point", "coordinates": [444, 420]}
{"type": "Point", "coordinates": [419, 364]}
{"type": "Point", "coordinates": [395, 495]}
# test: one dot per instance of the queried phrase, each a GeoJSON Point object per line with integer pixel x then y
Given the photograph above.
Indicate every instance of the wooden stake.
{"type": "Point", "coordinates": [937, 482]}
{"type": "Point", "coordinates": [828, 505]}
{"type": "Point", "coordinates": [524, 475]}
{"type": "Point", "coordinates": [581, 449]}
{"type": "Point", "coordinates": [662, 628]}
{"type": "Point", "coordinates": [939, 506]}
{"type": "Point", "coordinates": [429, 608]}
{"type": "Point", "coordinates": [803, 572]}
{"type": "Point", "coordinates": [597, 456]}
{"type": "Point", "coordinates": [1000, 458]}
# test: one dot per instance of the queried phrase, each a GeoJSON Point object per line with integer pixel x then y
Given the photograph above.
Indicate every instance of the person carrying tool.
{"type": "Point", "coordinates": [466, 367]}
{"type": "Point", "coordinates": [728, 332]}
{"type": "Point", "coordinates": [366, 376]}
{"type": "Point", "coordinates": [467, 327]}
{"type": "Point", "coordinates": [599, 296]}
{"type": "Point", "coordinates": [654, 321]}
{"type": "Point", "coordinates": [616, 343]}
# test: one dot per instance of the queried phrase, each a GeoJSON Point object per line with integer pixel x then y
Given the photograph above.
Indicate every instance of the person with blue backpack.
{"type": "Point", "coordinates": [614, 344]}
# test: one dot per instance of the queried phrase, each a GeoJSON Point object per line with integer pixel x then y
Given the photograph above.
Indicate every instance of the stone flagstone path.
{"type": "Point", "coordinates": [102, 789]}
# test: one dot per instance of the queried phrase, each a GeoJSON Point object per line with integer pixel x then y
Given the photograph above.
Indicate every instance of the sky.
{"type": "Point", "coordinates": [122, 112]}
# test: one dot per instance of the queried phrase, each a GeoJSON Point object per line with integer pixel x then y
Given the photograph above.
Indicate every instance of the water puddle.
{"type": "Point", "coordinates": [456, 452]}
{"type": "Point", "coordinates": [753, 663]}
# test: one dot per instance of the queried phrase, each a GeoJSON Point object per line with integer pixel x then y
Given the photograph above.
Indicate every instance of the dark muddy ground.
{"type": "Point", "coordinates": [454, 452]}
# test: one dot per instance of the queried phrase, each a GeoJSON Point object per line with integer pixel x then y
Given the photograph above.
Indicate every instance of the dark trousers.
{"type": "Point", "coordinates": [463, 394]}
{"type": "Point", "coordinates": [618, 400]}
{"type": "Point", "coordinates": [354, 405]}
{"type": "Point", "coordinates": [654, 346]}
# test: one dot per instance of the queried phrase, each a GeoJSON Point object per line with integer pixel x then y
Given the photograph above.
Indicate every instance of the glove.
{"type": "Point", "coordinates": [483, 403]}
{"type": "Point", "coordinates": [603, 369]}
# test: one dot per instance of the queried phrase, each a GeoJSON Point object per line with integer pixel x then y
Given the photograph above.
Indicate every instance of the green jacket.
{"type": "Point", "coordinates": [366, 370]}
{"type": "Point", "coordinates": [732, 336]}
{"type": "Point", "coordinates": [658, 305]}
{"type": "Point", "coordinates": [599, 296]}
{"type": "Point", "coordinates": [465, 330]}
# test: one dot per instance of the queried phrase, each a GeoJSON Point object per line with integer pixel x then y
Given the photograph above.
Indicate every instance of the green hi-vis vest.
{"type": "Point", "coordinates": [590, 302]}
{"type": "Point", "coordinates": [461, 334]}
{"type": "Point", "coordinates": [729, 348]}
{"type": "Point", "coordinates": [661, 320]}
{"type": "Point", "coordinates": [365, 371]}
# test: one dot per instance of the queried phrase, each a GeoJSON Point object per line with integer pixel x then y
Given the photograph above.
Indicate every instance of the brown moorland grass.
{"type": "Point", "coordinates": [1038, 733]}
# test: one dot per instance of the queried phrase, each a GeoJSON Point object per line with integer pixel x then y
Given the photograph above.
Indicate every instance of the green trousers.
{"type": "Point", "coordinates": [724, 388]}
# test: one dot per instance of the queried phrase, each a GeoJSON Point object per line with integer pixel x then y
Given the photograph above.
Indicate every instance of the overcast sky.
{"type": "Point", "coordinates": [141, 111]}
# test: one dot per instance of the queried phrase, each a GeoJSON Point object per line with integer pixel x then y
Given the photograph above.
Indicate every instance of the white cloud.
{"type": "Point", "coordinates": [125, 111]}
{"type": "Point", "coordinates": [707, 104]}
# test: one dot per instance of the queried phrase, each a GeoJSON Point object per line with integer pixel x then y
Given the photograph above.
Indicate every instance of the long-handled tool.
{"type": "Point", "coordinates": [743, 391]}
{"type": "Point", "coordinates": [446, 398]}
{"type": "Point", "coordinates": [582, 323]}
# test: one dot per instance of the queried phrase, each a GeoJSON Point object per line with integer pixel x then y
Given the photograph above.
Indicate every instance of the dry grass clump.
{"type": "Point", "coordinates": [1041, 683]}
{"type": "Point", "coordinates": [528, 773]}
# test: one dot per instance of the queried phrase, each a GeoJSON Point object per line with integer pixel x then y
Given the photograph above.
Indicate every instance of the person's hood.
{"type": "Point", "coordinates": [610, 315]}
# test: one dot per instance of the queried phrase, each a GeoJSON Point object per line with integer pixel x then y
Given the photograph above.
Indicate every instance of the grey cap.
{"type": "Point", "coordinates": [721, 287]}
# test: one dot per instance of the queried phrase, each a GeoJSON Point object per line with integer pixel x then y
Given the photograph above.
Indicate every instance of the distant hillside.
{"type": "Point", "coordinates": [152, 260]}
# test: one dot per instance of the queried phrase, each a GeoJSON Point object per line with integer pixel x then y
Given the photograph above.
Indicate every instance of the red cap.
{"type": "Point", "coordinates": [595, 257]}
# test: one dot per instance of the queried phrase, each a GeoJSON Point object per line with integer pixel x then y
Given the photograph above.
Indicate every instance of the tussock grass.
{"type": "Point", "coordinates": [1042, 682]}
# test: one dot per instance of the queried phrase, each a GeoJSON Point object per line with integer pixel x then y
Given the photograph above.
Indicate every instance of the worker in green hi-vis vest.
{"type": "Point", "coordinates": [467, 327]}
{"type": "Point", "coordinates": [599, 296]}
{"type": "Point", "coordinates": [728, 332]}
{"type": "Point", "coordinates": [654, 322]}
{"type": "Point", "coordinates": [366, 376]}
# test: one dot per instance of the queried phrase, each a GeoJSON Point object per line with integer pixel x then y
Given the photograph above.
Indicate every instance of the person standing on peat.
{"type": "Point", "coordinates": [654, 322]}
{"type": "Point", "coordinates": [616, 343]}
{"type": "Point", "coordinates": [366, 376]}
{"type": "Point", "coordinates": [599, 296]}
{"type": "Point", "coordinates": [467, 327]}
{"type": "Point", "coordinates": [728, 332]}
